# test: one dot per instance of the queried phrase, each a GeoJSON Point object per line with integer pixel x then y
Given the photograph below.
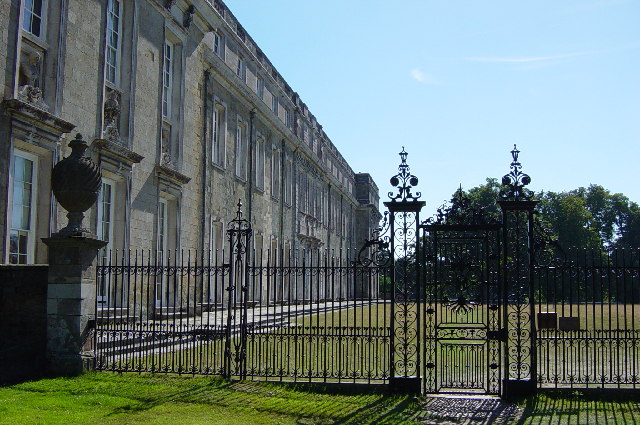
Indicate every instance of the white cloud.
{"type": "Point", "coordinates": [422, 77]}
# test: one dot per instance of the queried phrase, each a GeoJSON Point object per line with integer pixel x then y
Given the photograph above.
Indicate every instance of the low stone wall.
{"type": "Point", "coordinates": [23, 322]}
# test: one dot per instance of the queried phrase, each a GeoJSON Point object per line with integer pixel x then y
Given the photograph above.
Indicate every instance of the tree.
{"type": "Point", "coordinates": [486, 196]}
{"type": "Point", "coordinates": [569, 220]}
{"type": "Point", "coordinates": [591, 217]}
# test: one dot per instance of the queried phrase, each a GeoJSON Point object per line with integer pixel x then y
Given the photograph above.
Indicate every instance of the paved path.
{"type": "Point", "coordinates": [469, 411]}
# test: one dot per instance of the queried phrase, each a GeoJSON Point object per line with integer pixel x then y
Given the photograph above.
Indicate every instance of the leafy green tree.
{"type": "Point", "coordinates": [629, 230]}
{"type": "Point", "coordinates": [568, 218]}
{"type": "Point", "coordinates": [591, 217]}
{"type": "Point", "coordinates": [486, 195]}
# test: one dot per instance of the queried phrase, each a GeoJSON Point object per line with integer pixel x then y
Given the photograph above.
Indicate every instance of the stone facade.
{"type": "Point", "coordinates": [185, 116]}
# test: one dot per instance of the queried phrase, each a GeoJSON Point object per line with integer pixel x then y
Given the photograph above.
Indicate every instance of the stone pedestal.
{"type": "Point", "coordinates": [71, 298]}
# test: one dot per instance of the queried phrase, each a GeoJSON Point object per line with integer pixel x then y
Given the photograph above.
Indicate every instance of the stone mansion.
{"type": "Point", "coordinates": [184, 114]}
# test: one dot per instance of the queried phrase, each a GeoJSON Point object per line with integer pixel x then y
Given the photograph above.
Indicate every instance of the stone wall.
{"type": "Point", "coordinates": [23, 322]}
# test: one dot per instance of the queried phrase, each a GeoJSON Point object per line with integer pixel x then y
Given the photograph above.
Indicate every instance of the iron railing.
{"type": "Point", "coordinates": [588, 319]}
{"type": "Point", "coordinates": [306, 315]}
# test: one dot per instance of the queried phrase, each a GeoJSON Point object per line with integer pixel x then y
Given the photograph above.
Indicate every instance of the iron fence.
{"type": "Point", "coordinates": [588, 319]}
{"type": "Point", "coordinates": [299, 315]}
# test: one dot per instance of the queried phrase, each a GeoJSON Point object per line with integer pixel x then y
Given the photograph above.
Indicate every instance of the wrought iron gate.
{"type": "Point", "coordinates": [463, 293]}
{"type": "Point", "coordinates": [462, 314]}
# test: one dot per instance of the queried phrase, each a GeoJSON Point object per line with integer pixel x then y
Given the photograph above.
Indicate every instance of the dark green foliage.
{"type": "Point", "coordinates": [591, 217]}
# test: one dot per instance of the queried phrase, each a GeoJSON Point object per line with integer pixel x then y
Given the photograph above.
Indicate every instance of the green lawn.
{"type": "Point", "coordinates": [151, 399]}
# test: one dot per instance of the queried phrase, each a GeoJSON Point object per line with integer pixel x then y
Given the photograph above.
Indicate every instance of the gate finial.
{"type": "Point", "coordinates": [404, 181]}
{"type": "Point", "coordinates": [514, 183]}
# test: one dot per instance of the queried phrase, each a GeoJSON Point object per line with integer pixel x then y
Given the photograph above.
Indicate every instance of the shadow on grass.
{"type": "Point", "coordinates": [183, 395]}
{"type": "Point", "coordinates": [319, 404]}
{"type": "Point", "coordinates": [582, 408]}
{"type": "Point", "coordinates": [387, 409]}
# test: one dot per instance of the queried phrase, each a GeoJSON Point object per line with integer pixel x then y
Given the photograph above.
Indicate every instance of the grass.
{"type": "Point", "coordinates": [167, 399]}
{"type": "Point", "coordinates": [141, 399]}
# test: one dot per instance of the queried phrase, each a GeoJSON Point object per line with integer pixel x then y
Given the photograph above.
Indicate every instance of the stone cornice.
{"type": "Point", "coordinates": [171, 175]}
{"type": "Point", "coordinates": [116, 151]}
{"type": "Point", "coordinates": [40, 118]}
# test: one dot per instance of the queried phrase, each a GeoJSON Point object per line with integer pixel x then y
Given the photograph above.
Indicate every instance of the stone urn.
{"type": "Point", "coordinates": [76, 182]}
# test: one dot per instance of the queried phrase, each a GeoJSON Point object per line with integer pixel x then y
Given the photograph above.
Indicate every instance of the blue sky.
{"type": "Point", "coordinates": [459, 82]}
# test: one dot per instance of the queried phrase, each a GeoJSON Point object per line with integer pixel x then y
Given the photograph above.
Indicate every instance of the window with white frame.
{"type": "Point", "coordinates": [219, 126]}
{"type": "Point", "coordinates": [240, 71]}
{"type": "Point", "coordinates": [218, 44]}
{"type": "Point", "coordinates": [114, 32]}
{"type": "Point", "coordinates": [259, 162]}
{"type": "Point", "coordinates": [167, 79]}
{"type": "Point", "coordinates": [288, 187]}
{"type": "Point", "coordinates": [272, 256]}
{"type": "Point", "coordinates": [302, 191]}
{"type": "Point", "coordinates": [257, 247]}
{"type": "Point", "coordinates": [241, 149]}
{"type": "Point", "coordinates": [213, 292]}
{"type": "Point", "coordinates": [163, 213]}
{"type": "Point", "coordinates": [104, 230]}
{"type": "Point", "coordinates": [106, 214]}
{"type": "Point", "coordinates": [275, 172]}
{"type": "Point", "coordinates": [215, 236]}
{"type": "Point", "coordinates": [287, 117]}
{"type": "Point", "coordinates": [216, 239]}
{"type": "Point", "coordinates": [33, 17]}
{"type": "Point", "coordinates": [22, 210]}
{"type": "Point", "coordinates": [274, 104]}
{"type": "Point", "coordinates": [260, 87]}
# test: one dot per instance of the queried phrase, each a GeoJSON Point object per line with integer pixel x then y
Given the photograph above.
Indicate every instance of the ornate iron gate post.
{"type": "Point", "coordinates": [404, 208]}
{"type": "Point", "coordinates": [517, 207]}
{"type": "Point", "coordinates": [235, 352]}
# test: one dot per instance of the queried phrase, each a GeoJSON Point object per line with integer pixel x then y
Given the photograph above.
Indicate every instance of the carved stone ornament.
{"type": "Point", "coordinates": [75, 182]}
{"type": "Point", "coordinates": [165, 147]}
{"type": "Point", "coordinates": [112, 115]}
{"type": "Point", "coordinates": [29, 79]}
{"type": "Point", "coordinates": [188, 17]}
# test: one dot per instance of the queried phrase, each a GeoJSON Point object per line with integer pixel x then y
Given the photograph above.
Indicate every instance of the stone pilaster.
{"type": "Point", "coordinates": [71, 300]}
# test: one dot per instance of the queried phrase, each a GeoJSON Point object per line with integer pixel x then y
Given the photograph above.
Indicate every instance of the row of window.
{"type": "Point", "coordinates": [24, 181]}
{"type": "Point", "coordinates": [218, 149]}
{"type": "Point", "coordinates": [311, 193]}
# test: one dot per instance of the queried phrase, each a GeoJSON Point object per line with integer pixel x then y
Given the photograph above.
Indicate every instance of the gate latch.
{"type": "Point", "coordinates": [499, 335]}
